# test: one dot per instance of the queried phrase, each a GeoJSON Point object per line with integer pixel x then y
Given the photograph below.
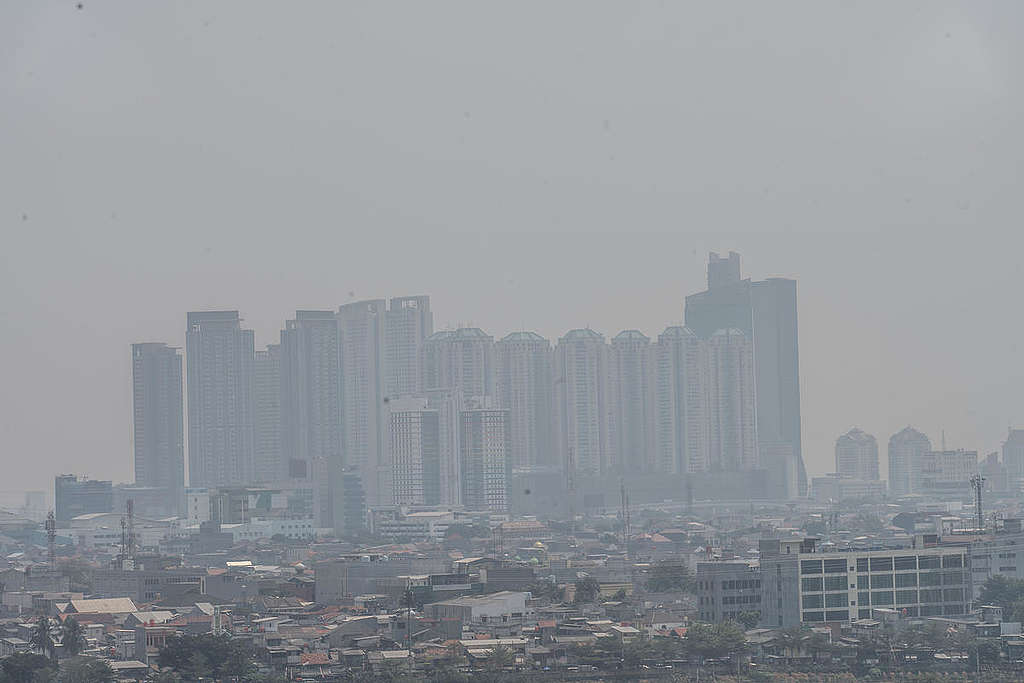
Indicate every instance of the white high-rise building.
{"type": "Point", "coordinates": [409, 323]}
{"type": "Point", "coordinates": [681, 401]}
{"type": "Point", "coordinates": [732, 442]}
{"type": "Point", "coordinates": [907, 449]}
{"type": "Point", "coordinates": [484, 445]}
{"type": "Point", "coordinates": [269, 461]}
{"type": "Point", "coordinates": [461, 360]}
{"type": "Point", "coordinates": [857, 455]}
{"type": "Point", "coordinates": [219, 357]}
{"type": "Point", "coordinates": [413, 431]}
{"type": "Point", "coordinates": [582, 413]}
{"type": "Point", "coordinates": [363, 428]}
{"type": "Point", "coordinates": [523, 387]}
{"type": "Point", "coordinates": [158, 431]}
{"type": "Point", "coordinates": [631, 388]}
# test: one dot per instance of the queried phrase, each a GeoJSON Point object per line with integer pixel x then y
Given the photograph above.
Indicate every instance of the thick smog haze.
{"type": "Point", "coordinates": [537, 166]}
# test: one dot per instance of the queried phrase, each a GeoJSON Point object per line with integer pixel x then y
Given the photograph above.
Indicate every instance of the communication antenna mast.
{"type": "Point", "coordinates": [131, 531]}
{"type": "Point", "coordinates": [977, 481]}
{"type": "Point", "coordinates": [627, 524]}
{"type": "Point", "coordinates": [123, 555]}
{"type": "Point", "coordinates": [570, 475]}
{"type": "Point", "coordinates": [51, 539]}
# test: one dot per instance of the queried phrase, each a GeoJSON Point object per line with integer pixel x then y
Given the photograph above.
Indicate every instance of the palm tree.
{"type": "Point", "coordinates": [72, 637]}
{"type": "Point", "coordinates": [41, 638]}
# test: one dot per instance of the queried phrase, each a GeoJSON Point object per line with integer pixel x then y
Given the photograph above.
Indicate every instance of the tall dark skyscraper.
{"type": "Point", "coordinates": [219, 356]}
{"type": "Point", "coordinates": [766, 311]}
{"type": "Point", "coordinates": [158, 430]}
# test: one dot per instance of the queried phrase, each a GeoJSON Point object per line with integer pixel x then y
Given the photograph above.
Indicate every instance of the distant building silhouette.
{"type": "Point", "coordinates": [733, 430]}
{"type": "Point", "coordinates": [857, 455]}
{"type": "Point", "coordinates": [363, 427]}
{"type": "Point", "coordinates": [766, 312]}
{"type": "Point", "coordinates": [269, 462]}
{"type": "Point", "coordinates": [631, 391]}
{"type": "Point", "coordinates": [582, 410]}
{"type": "Point", "coordinates": [523, 387]}
{"type": "Point", "coordinates": [484, 446]}
{"type": "Point", "coordinates": [415, 450]}
{"type": "Point", "coordinates": [311, 403]}
{"type": "Point", "coordinates": [158, 427]}
{"type": "Point", "coordinates": [681, 401]}
{"type": "Point", "coordinates": [907, 449]}
{"type": "Point", "coordinates": [1013, 459]}
{"type": "Point", "coordinates": [219, 356]}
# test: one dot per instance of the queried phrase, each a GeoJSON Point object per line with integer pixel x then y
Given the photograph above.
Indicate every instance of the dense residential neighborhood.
{"type": "Point", "coordinates": [874, 588]}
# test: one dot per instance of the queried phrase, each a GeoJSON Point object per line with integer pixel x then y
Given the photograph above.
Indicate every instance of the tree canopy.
{"type": "Point", "coordinates": [206, 655]}
{"type": "Point", "coordinates": [670, 576]}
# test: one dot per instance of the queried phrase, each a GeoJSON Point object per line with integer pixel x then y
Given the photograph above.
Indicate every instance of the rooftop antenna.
{"type": "Point", "coordinates": [977, 481]}
{"type": "Point", "coordinates": [51, 539]}
{"type": "Point", "coordinates": [943, 439]}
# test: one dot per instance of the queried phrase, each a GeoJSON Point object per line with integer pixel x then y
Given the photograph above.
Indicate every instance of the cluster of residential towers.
{"type": "Point", "coordinates": [369, 397]}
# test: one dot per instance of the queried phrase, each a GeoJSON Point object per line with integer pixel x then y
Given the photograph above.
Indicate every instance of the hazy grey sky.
{"type": "Point", "coordinates": [538, 164]}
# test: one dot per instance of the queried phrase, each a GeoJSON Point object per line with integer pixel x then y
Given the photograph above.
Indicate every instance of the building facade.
{"type": "Point", "coordinates": [857, 455]}
{"type": "Point", "coordinates": [409, 323]}
{"type": "Point", "coordinates": [766, 311]}
{"type": "Point", "coordinates": [732, 442]}
{"type": "Point", "coordinates": [74, 496]}
{"type": "Point", "coordinates": [802, 586]}
{"type": "Point", "coordinates": [631, 387]}
{"type": "Point", "coordinates": [415, 453]}
{"type": "Point", "coordinates": [523, 387]}
{"type": "Point", "coordinates": [582, 410]}
{"type": "Point", "coordinates": [363, 427]}
{"type": "Point", "coordinates": [269, 462]}
{"type": "Point", "coordinates": [219, 357]}
{"type": "Point", "coordinates": [158, 428]}
{"type": "Point", "coordinates": [484, 445]}
{"type": "Point", "coordinates": [727, 589]}
{"type": "Point", "coordinates": [681, 402]}
{"type": "Point", "coordinates": [907, 448]}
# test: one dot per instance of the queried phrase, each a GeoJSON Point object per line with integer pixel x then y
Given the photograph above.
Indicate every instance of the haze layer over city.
{"type": "Point", "coordinates": [247, 158]}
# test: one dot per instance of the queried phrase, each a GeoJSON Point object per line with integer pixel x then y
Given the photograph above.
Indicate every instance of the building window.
{"type": "Point", "coordinates": [881, 564]}
{"type": "Point", "coordinates": [881, 580]}
{"type": "Point", "coordinates": [952, 561]}
{"type": "Point", "coordinates": [810, 566]}
{"type": "Point", "coordinates": [905, 562]}
{"type": "Point", "coordinates": [811, 584]}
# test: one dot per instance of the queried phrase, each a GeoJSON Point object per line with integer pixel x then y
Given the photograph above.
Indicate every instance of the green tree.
{"type": "Point", "coordinates": [206, 655]}
{"type": "Point", "coordinates": [669, 575]}
{"type": "Point", "coordinates": [587, 589]}
{"type": "Point", "coordinates": [717, 640]}
{"type": "Point", "coordinates": [41, 638]}
{"type": "Point", "coordinates": [72, 637]}
{"type": "Point", "coordinates": [749, 619]}
{"type": "Point", "coordinates": [86, 670]}
{"type": "Point", "coordinates": [546, 590]}
{"type": "Point", "coordinates": [1002, 591]}
{"type": "Point", "coordinates": [27, 667]}
{"type": "Point", "coordinates": [500, 658]}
